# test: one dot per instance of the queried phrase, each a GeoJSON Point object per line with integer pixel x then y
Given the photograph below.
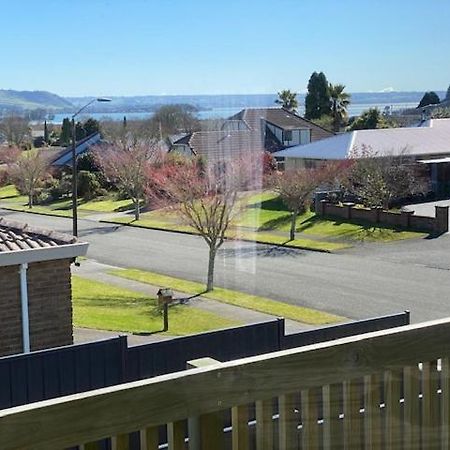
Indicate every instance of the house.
{"type": "Point", "coordinates": [251, 130]}
{"type": "Point", "coordinates": [35, 287]}
{"type": "Point", "coordinates": [427, 144]}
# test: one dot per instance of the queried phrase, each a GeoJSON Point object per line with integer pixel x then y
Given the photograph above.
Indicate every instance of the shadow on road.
{"type": "Point", "coordinates": [260, 250]}
{"type": "Point", "coordinates": [99, 230]}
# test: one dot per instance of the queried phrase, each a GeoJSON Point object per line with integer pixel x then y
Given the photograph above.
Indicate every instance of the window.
{"type": "Point", "coordinates": [287, 135]}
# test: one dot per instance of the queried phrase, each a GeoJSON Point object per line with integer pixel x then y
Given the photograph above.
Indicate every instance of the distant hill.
{"type": "Point", "coordinates": [29, 100]}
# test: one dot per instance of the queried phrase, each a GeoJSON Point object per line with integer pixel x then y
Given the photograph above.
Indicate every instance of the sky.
{"type": "Point", "coordinates": [144, 47]}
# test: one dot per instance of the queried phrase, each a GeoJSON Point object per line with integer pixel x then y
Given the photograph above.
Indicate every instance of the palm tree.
{"type": "Point", "coordinates": [339, 103]}
{"type": "Point", "coordinates": [288, 100]}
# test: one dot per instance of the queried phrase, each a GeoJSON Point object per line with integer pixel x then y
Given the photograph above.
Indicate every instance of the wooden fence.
{"type": "Point", "coordinates": [68, 370]}
{"type": "Point", "coordinates": [387, 389]}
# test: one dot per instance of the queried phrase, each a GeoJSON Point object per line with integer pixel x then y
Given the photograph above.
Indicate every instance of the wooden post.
{"type": "Point", "coordinates": [120, 442]}
{"type": "Point", "coordinates": [287, 422]}
{"type": "Point", "coordinates": [165, 316]}
{"type": "Point", "coordinates": [149, 438]}
{"type": "Point", "coordinates": [430, 406]}
{"type": "Point", "coordinates": [393, 382]}
{"type": "Point", "coordinates": [264, 425]}
{"type": "Point", "coordinates": [445, 404]}
{"type": "Point", "coordinates": [411, 431]}
{"type": "Point", "coordinates": [332, 436]}
{"type": "Point", "coordinates": [175, 435]}
{"type": "Point", "coordinates": [352, 416]}
{"type": "Point", "coordinates": [239, 424]}
{"type": "Point", "coordinates": [372, 414]}
{"type": "Point", "coordinates": [310, 416]}
{"type": "Point", "coordinates": [206, 430]}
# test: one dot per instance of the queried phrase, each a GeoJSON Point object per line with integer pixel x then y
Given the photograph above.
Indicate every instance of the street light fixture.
{"type": "Point", "coordinates": [74, 165]}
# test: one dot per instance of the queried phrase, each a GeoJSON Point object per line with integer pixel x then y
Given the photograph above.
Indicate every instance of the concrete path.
{"type": "Point", "coordinates": [97, 271]}
{"type": "Point", "coordinates": [83, 335]}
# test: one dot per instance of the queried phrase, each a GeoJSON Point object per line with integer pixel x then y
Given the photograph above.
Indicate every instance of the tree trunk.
{"type": "Point", "coordinates": [30, 200]}
{"type": "Point", "coordinates": [211, 261]}
{"type": "Point", "coordinates": [293, 223]}
{"type": "Point", "coordinates": [137, 210]}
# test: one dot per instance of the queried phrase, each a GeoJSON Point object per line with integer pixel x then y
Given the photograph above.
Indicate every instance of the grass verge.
{"type": "Point", "coordinates": [241, 299]}
{"type": "Point", "coordinates": [102, 306]}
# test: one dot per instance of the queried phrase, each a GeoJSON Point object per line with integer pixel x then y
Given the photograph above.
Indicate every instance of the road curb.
{"type": "Point", "coordinates": [191, 233]}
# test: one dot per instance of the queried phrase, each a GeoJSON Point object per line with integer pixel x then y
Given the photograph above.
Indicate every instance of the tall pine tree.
{"type": "Point", "coordinates": [317, 101]}
{"type": "Point", "coordinates": [447, 97]}
{"type": "Point", "coordinates": [46, 135]}
{"type": "Point", "coordinates": [66, 131]}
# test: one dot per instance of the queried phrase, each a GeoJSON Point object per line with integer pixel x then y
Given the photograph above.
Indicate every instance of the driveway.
{"type": "Point", "coordinates": [427, 208]}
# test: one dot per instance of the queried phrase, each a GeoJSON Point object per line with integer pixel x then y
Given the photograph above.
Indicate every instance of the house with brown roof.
{"type": "Point", "coordinates": [35, 287]}
{"type": "Point", "coordinates": [251, 130]}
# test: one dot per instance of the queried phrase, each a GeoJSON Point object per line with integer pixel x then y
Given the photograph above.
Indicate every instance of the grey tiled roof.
{"type": "Point", "coordinates": [245, 132]}
{"type": "Point", "coordinates": [16, 236]}
{"type": "Point", "coordinates": [217, 145]}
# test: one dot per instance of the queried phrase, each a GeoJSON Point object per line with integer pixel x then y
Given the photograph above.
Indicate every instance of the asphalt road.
{"type": "Point", "coordinates": [359, 283]}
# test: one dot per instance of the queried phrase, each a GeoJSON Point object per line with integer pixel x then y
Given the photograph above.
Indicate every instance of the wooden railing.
{"type": "Point", "coordinates": [388, 389]}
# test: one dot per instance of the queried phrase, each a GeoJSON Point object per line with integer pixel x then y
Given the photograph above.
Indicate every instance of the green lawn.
{"type": "Point", "coordinates": [105, 307]}
{"type": "Point", "coordinates": [265, 219]}
{"type": "Point", "coordinates": [266, 212]}
{"type": "Point", "coordinates": [8, 191]}
{"type": "Point", "coordinates": [261, 304]}
{"type": "Point", "coordinates": [14, 200]}
{"type": "Point", "coordinates": [107, 204]}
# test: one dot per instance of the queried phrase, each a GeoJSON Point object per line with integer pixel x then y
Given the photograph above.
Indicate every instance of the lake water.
{"type": "Point", "coordinates": [355, 109]}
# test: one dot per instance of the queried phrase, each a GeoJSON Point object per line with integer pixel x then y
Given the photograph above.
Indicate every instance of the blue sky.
{"type": "Point", "coordinates": [132, 47]}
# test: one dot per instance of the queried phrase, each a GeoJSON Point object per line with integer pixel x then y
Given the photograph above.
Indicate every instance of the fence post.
{"type": "Point", "coordinates": [281, 332]}
{"type": "Point", "coordinates": [441, 219]}
{"type": "Point", "coordinates": [405, 218]}
{"type": "Point", "coordinates": [123, 346]}
{"type": "Point", "coordinates": [348, 210]}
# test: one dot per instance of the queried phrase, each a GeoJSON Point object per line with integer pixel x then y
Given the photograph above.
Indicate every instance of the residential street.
{"type": "Point", "coordinates": [362, 282]}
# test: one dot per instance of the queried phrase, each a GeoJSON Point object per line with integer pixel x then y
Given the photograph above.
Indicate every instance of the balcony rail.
{"type": "Point", "coordinates": [387, 389]}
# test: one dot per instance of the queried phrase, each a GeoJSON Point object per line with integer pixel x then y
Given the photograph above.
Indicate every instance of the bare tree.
{"type": "Point", "coordinates": [204, 198]}
{"type": "Point", "coordinates": [126, 163]}
{"type": "Point", "coordinates": [9, 155]}
{"type": "Point", "coordinates": [29, 172]}
{"type": "Point", "coordinates": [296, 187]}
{"type": "Point", "coordinates": [378, 179]}
{"type": "Point", "coordinates": [15, 130]}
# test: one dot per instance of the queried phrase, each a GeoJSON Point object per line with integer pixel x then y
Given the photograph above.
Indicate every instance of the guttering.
{"type": "Point", "coordinates": [24, 307]}
{"type": "Point", "coordinates": [18, 257]}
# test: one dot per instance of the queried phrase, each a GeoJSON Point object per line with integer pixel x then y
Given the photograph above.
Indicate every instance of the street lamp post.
{"type": "Point", "coordinates": [74, 166]}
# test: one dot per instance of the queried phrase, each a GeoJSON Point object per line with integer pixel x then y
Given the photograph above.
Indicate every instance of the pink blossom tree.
{"type": "Point", "coordinates": [126, 163]}
{"type": "Point", "coordinates": [204, 197]}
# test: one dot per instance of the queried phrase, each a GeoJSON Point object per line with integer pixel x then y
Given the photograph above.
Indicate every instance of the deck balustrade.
{"type": "Point", "coordinates": [388, 389]}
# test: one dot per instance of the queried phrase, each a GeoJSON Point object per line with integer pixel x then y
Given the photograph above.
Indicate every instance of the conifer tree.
{"type": "Point", "coordinates": [317, 101]}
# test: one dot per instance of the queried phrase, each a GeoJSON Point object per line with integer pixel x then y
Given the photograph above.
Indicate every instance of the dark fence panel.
{"type": "Point", "coordinates": [61, 371]}
{"type": "Point", "coordinates": [158, 358]}
{"type": "Point", "coordinates": [78, 368]}
{"type": "Point", "coordinates": [344, 330]}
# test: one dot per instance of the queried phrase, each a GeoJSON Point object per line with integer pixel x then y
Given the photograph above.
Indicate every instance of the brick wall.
{"type": "Point", "coordinates": [437, 225]}
{"type": "Point", "coordinates": [50, 306]}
